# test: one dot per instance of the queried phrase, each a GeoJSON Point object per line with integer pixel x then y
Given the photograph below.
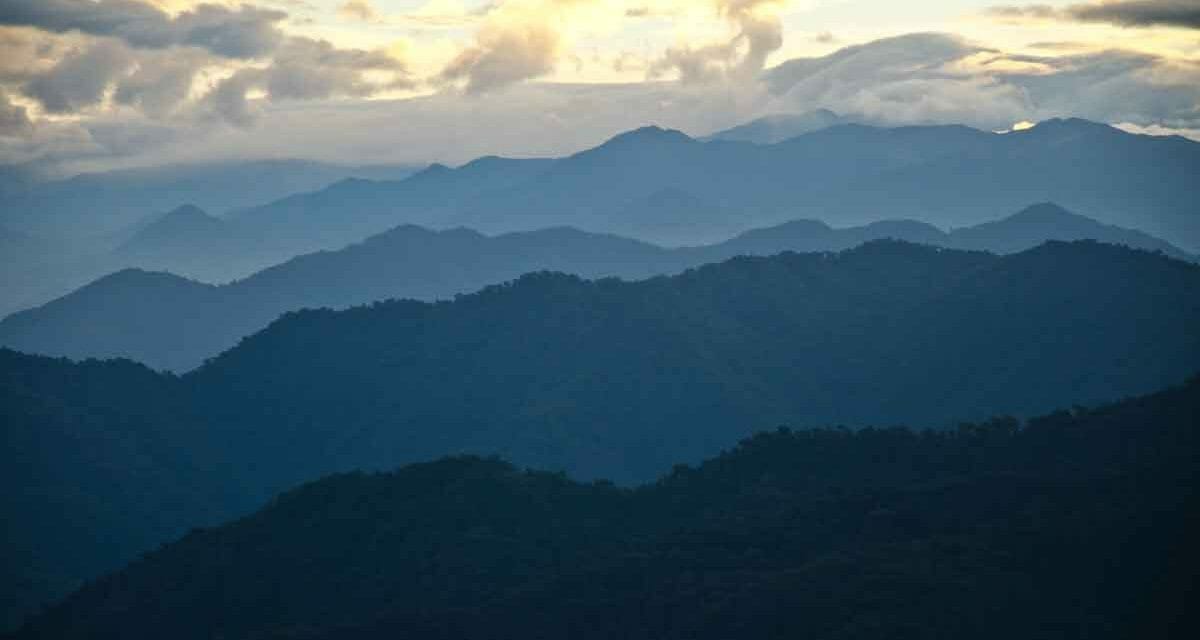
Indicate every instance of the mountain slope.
{"type": "Point", "coordinates": [84, 221]}
{"type": "Point", "coordinates": [175, 230]}
{"type": "Point", "coordinates": [949, 176]}
{"type": "Point", "coordinates": [780, 127]}
{"type": "Point", "coordinates": [1047, 221]}
{"type": "Point", "coordinates": [171, 323]}
{"type": "Point", "coordinates": [97, 204]}
{"type": "Point", "coordinates": [602, 379]}
{"type": "Point", "coordinates": [354, 209]}
{"type": "Point", "coordinates": [127, 317]}
{"type": "Point", "coordinates": [1077, 524]}
{"type": "Point", "coordinates": [751, 342]}
{"type": "Point", "coordinates": [848, 174]}
{"type": "Point", "coordinates": [184, 240]}
{"type": "Point", "coordinates": [154, 317]}
{"type": "Point", "coordinates": [99, 464]}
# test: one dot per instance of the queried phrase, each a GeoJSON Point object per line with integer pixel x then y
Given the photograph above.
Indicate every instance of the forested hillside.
{"type": "Point", "coordinates": [602, 379]}
{"type": "Point", "coordinates": [172, 323]}
{"type": "Point", "coordinates": [1076, 525]}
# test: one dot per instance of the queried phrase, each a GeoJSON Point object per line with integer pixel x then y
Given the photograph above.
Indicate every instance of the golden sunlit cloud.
{"type": "Point", "coordinates": [358, 10]}
{"type": "Point", "coordinates": [205, 63]}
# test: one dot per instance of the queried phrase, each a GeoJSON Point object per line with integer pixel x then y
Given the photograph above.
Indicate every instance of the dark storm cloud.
{"type": "Point", "coordinates": [1127, 13]}
{"type": "Point", "coordinates": [246, 32]}
{"type": "Point", "coordinates": [1179, 13]}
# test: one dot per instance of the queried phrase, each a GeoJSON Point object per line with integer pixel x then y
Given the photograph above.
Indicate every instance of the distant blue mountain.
{"type": "Point", "coordinates": [651, 184]}
{"type": "Point", "coordinates": [779, 127]}
{"type": "Point", "coordinates": [170, 322]}
{"type": "Point", "coordinates": [951, 176]}
{"type": "Point", "coordinates": [80, 221]}
{"type": "Point", "coordinates": [94, 205]}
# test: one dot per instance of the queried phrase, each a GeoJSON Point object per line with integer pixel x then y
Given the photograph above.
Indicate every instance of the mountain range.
{"type": "Point", "coordinates": [1073, 525]}
{"type": "Point", "coordinates": [82, 227]}
{"type": "Point", "coordinates": [950, 176]}
{"type": "Point", "coordinates": [172, 323]}
{"type": "Point", "coordinates": [97, 206]}
{"type": "Point", "coordinates": [602, 379]}
{"type": "Point", "coordinates": [651, 184]}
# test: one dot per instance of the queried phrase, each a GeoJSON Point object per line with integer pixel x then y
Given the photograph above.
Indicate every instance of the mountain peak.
{"type": "Point", "coordinates": [435, 169]}
{"type": "Point", "coordinates": [1043, 212]}
{"type": "Point", "coordinates": [1075, 126]}
{"type": "Point", "coordinates": [187, 211]}
{"type": "Point", "coordinates": [185, 219]}
{"type": "Point", "coordinates": [483, 162]}
{"type": "Point", "coordinates": [652, 133]}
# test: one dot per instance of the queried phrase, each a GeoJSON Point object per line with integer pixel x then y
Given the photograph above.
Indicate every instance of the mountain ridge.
{"type": "Point", "coordinates": [600, 378]}
{"type": "Point", "coordinates": [816, 520]}
{"type": "Point", "coordinates": [843, 170]}
{"type": "Point", "coordinates": [411, 261]}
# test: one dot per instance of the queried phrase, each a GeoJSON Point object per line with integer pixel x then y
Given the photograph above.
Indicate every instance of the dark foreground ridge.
{"type": "Point", "coordinates": [602, 379]}
{"type": "Point", "coordinates": [1077, 525]}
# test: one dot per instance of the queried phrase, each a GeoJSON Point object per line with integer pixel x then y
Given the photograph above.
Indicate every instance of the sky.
{"type": "Point", "coordinates": [97, 84]}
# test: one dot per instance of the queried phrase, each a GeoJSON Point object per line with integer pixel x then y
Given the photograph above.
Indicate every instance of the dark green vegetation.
{"type": "Point", "coordinates": [175, 324]}
{"type": "Point", "coordinates": [99, 462]}
{"type": "Point", "coordinates": [1078, 525]}
{"type": "Point", "coordinates": [601, 379]}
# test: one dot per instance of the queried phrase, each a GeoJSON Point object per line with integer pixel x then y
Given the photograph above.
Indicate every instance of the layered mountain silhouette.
{"type": "Point", "coordinates": [93, 224]}
{"type": "Point", "coordinates": [181, 225]}
{"type": "Point", "coordinates": [602, 379]}
{"type": "Point", "coordinates": [1076, 524]}
{"type": "Point", "coordinates": [172, 323]}
{"type": "Point", "coordinates": [94, 206]}
{"type": "Point", "coordinates": [651, 184]}
{"type": "Point", "coordinates": [951, 176]}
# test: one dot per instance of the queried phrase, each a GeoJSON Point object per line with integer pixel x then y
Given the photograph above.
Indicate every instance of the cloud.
{"type": "Point", "coordinates": [25, 53]}
{"type": "Point", "coordinates": [903, 80]}
{"type": "Point", "coordinates": [825, 37]}
{"type": "Point", "coordinates": [81, 80]}
{"type": "Point", "coordinates": [1115, 86]}
{"type": "Point", "coordinates": [759, 34]}
{"type": "Point", "coordinates": [505, 55]}
{"type": "Point", "coordinates": [936, 78]}
{"type": "Point", "coordinates": [1137, 13]}
{"type": "Point", "coordinates": [244, 32]}
{"type": "Point", "coordinates": [14, 119]}
{"type": "Point", "coordinates": [358, 10]}
{"type": "Point", "coordinates": [1125, 13]}
{"type": "Point", "coordinates": [84, 57]}
{"type": "Point", "coordinates": [228, 100]}
{"type": "Point", "coordinates": [305, 69]}
{"type": "Point", "coordinates": [160, 83]}
{"type": "Point", "coordinates": [518, 40]}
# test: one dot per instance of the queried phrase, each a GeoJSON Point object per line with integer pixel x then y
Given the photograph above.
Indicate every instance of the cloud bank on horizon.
{"type": "Point", "coordinates": [98, 83]}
